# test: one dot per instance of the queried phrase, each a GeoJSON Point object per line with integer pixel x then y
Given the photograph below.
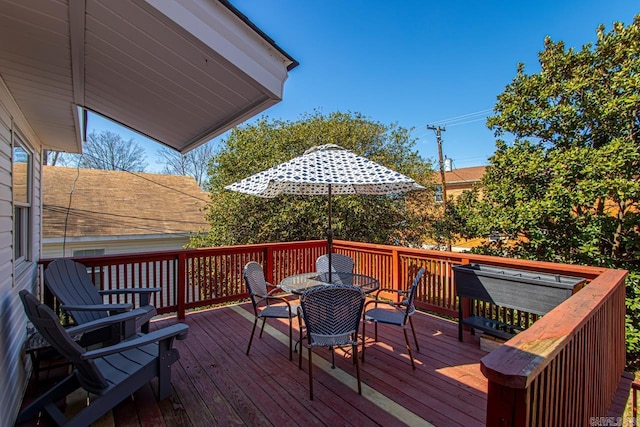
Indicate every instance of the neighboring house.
{"type": "Point", "coordinates": [89, 212]}
{"type": "Point", "coordinates": [457, 181]}
{"type": "Point", "coordinates": [179, 72]}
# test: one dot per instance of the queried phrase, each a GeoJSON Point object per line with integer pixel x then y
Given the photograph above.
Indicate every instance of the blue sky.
{"type": "Point", "coordinates": [416, 62]}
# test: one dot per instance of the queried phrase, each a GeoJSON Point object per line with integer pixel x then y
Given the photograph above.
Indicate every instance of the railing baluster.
{"type": "Point", "coordinates": [558, 385]}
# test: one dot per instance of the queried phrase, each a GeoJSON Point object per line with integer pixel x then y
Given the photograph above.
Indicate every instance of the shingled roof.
{"type": "Point", "coordinates": [460, 175]}
{"type": "Point", "coordinates": [111, 203]}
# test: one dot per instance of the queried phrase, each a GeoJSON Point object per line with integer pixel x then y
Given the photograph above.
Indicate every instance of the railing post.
{"type": "Point", "coordinates": [464, 306]}
{"type": "Point", "coordinates": [182, 285]}
{"type": "Point", "coordinates": [395, 269]}
{"type": "Point", "coordinates": [576, 349]}
{"type": "Point", "coordinates": [507, 406]}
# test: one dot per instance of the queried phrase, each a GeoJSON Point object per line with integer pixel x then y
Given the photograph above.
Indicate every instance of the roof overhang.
{"type": "Point", "coordinates": [179, 72]}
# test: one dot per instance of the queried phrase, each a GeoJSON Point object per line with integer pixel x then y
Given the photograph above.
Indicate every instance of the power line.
{"type": "Point", "coordinates": [464, 116]}
{"type": "Point", "coordinates": [93, 215]}
{"type": "Point", "coordinates": [96, 216]}
{"type": "Point", "coordinates": [438, 130]}
{"type": "Point", "coordinates": [58, 208]}
{"type": "Point", "coordinates": [68, 208]}
{"type": "Point", "coordinates": [453, 121]}
{"type": "Point", "coordinates": [467, 122]}
{"type": "Point", "coordinates": [168, 187]}
{"type": "Point", "coordinates": [152, 181]}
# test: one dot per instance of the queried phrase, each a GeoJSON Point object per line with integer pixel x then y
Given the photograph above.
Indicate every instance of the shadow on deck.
{"type": "Point", "coordinates": [215, 383]}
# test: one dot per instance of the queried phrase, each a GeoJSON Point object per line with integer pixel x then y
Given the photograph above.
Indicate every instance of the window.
{"type": "Point", "coordinates": [88, 252]}
{"type": "Point", "coordinates": [21, 169]}
{"type": "Point", "coordinates": [438, 194]}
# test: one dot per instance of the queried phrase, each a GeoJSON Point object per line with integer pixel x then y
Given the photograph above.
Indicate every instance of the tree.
{"type": "Point", "coordinates": [240, 219]}
{"type": "Point", "coordinates": [60, 158]}
{"type": "Point", "coordinates": [195, 163]}
{"type": "Point", "coordinates": [567, 187]}
{"type": "Point", "coordinates": [53, 158]}
{"type": "Point", "coordinates": [460, 219]}
{"type": "Point", "coordinates": [109, 151]}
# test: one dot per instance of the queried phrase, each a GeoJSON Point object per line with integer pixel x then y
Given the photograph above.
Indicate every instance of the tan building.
{"type": "Point", "coordinates": [89, 212]}
{"type": "Point", "coordinates": [458, 180]}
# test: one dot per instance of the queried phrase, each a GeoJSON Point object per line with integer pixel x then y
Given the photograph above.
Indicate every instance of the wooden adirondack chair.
{"type": "Point", "coordinates": [110, 373]}
{"type": "Point", "coordinates": [70, 283]}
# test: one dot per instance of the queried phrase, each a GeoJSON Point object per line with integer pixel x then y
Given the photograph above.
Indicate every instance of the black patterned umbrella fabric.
{"type": "Point", "coordinates": [323, 169]}
{"type": "Point", "coordinates": [326, 170]}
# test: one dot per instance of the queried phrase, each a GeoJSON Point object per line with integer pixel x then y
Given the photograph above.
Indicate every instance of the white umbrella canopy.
{"type": "Point", "coordinates": [326, 170]}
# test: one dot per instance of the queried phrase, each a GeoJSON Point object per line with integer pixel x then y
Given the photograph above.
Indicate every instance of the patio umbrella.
{"type": "Point", "coordinates": [326, 170]}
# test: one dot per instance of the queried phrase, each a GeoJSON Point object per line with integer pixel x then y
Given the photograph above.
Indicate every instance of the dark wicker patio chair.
{"type": "Point", "coordinates": [110, 374]}
{"type": "Point", "coordinates": [339, 262]}
{"type": "Point", "coordinates": [263, 302]}
{"type": "Point", "coordinates": [331, 316]}
{"type": "Point", "coordinates": [393, 314]}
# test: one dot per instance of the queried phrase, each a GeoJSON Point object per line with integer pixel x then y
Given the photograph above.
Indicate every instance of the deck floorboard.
{"type": "Point", "coordinates": [216, 383]}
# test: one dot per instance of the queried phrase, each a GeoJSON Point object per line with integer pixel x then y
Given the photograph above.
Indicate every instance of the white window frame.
{"type": "Point", "coordinates": [89, 252]}
{"type": "Point", "coordinates": [438, 194]}
{"type": "Point", "coordinates": [22, 209]}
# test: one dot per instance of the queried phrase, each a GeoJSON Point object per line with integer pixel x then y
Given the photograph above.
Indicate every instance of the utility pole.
{"type": "Point", "coordinates": [438, 130]}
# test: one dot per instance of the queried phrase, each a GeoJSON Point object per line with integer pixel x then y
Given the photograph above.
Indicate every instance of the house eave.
{"type": "Point", "coordinates": [180, 72]}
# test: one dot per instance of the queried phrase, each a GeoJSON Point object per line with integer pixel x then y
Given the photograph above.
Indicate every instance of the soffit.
{"type": "Point", "coordinates": [179, 72]}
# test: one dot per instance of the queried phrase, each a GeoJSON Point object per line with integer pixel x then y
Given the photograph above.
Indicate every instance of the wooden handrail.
{"type": "Point", "coordinates": [529, 351]}
{"type": "Point", "coordinates": [588, 330]}
{"type": "Point", "coordinates": [193, 278]}
{"type": "Point", "coordinates": [563, 348]}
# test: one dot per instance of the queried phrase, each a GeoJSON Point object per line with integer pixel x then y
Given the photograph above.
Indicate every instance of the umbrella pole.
{"type": "Point", "coordinates": [330, 235]}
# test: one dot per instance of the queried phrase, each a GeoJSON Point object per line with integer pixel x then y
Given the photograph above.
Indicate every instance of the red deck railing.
{"type": "Point", "coordinates": [565, 369]}
{"type": "Point", "coordinates": [562, 370]}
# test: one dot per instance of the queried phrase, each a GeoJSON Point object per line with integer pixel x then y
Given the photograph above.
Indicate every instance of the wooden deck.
{"type": "Point", "coordinates": [215, 383]}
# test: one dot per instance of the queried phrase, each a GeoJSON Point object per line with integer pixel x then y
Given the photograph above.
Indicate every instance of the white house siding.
{"type": "Point", "coordinates": [114, 245]}
{"type": "Point", "coordinates": [13, 366]}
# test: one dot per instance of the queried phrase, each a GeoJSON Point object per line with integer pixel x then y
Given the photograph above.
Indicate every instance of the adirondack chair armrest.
{"type": "Point", "coordinates": [129, 291]}
{"type": "Point", "coordinates": [98, 307]}
{"type": "Point", "coordinates": [143, 292]}
{"type": "Point", "coordinates": [178, 331]}
{"type": "Point", "coordinates": [105, 321]}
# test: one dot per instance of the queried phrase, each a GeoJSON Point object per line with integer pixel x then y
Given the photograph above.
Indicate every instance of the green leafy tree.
{"type": "Point", "coordinates": [461, 219]}
{"type": "Point", "coordinates": [566, 187]}
{"type": "Point", "coordinates": [241, 219]}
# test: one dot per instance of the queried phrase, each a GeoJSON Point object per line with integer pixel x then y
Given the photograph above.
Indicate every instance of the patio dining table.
{"type": "Point", "coordinates": [299, 283]}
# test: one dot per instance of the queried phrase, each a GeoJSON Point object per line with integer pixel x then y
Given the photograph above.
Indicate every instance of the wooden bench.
{"type": "Point", "coordinates": [521, 290]}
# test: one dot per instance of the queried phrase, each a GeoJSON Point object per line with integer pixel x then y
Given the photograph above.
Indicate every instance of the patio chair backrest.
{"type": "Point", "coordinates": [256, 283]}
{"type": "Point", "coordinates": [70, 283]}
{"type": "Point", "coordinates": [48, 324]}
{"type": "Point", "coordinates": [332, 314]}
{"type": "Point", "coordinates": [409, 302]}
{"type": "Point", "coordinates": [339, 263]}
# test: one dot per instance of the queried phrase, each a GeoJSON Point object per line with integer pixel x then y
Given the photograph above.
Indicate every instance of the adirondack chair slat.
{"type": "Point", "coordinates": [111, 373]}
